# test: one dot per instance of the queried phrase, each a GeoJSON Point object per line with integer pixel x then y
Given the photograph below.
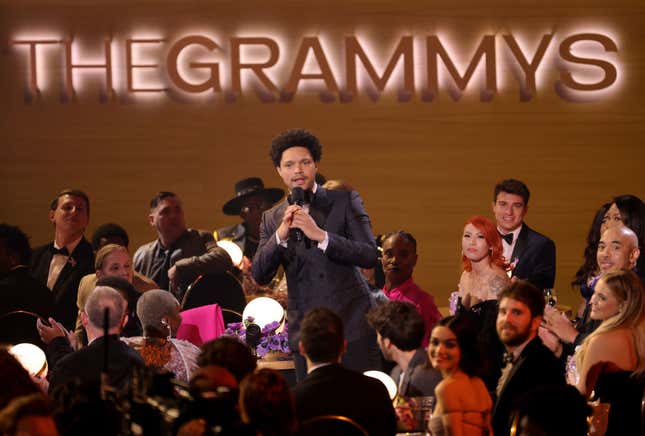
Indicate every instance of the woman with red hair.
{"type": "Point", "coordinates": [483, 277]}
{"type": "Point", "coordinates": [484, 271]}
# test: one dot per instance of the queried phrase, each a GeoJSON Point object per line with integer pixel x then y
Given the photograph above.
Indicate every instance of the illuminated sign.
{"type": "Point", "coordinates": [201, 66]}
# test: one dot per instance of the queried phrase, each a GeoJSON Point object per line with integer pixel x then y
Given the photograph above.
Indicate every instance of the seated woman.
{"type": "Point", "coordinates": [463, 405]}
{"type": "Point", "coordinates": [158, 311]}
{"type": "Point", "coordinates": [111, 260]}
{"type": "Point", "coordinates": [483, 277]}
{"type": "Point", "coordinates": [615, 351]}
{"type": "Point", "coordinates": [484, 271]}
{"type": "Point", "coordinates": [399, 259]}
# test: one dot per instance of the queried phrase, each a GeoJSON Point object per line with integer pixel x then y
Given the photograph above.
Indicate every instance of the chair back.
{"type": "Point", "coordinates": [337, 425]}
{"type": "Point", "coordinates": [221, 289]}
{"type": "Point", "coordinates": [201, 324]}
{"type": "Point", "coordinates": [20, 326]}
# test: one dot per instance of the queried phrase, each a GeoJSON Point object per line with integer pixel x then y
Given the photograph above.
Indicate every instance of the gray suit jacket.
{"type": "Point", "coordinates": [316, 278]}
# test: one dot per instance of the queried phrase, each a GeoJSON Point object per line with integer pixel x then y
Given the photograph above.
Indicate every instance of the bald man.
{"type": "Point", "coordinates": [618, 249]}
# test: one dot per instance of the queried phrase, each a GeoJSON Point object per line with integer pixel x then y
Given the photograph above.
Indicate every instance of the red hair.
{"type": "Point", "coordinates": [493, 240]}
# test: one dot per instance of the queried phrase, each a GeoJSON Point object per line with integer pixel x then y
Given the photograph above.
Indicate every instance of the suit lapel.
{"type": "Point", "coordinates": [320, 207]}
{"type": "Point", "coordinates": [41, 268]}
{"type": "Point", "coordinates": [522, 243]}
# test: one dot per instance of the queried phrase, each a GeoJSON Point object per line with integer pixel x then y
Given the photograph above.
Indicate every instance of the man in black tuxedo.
{"type": "Point", "coordinates": [86, 364]}
{"type": "Point", "coordinates": [19, 290]}
{"type": "Point", "coordinates": [321, 263]}
{"type": "Point", "coordinates": [530, 254]}
{"type": "Point", "coordinates": [528, 363]}
{"type": "Point", "coordinates": [331, 389]}
{"type": "Point", "coordinates": [62, 263]}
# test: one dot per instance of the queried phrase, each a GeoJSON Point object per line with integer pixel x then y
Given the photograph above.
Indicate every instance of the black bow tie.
{"type": "Point", "coordinates": [508, 358]}
{"type": "Point", "coordinates": [63, 251]}
{"type": "Point", "coordinates": [507, 237]}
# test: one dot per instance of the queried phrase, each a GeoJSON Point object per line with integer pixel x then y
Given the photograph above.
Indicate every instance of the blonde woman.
{"type": "Point", "coordinates": [611, 361]}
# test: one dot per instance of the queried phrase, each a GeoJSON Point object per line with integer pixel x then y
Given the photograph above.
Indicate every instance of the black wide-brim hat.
{"type": "Point", "coordinates": [246, 188]}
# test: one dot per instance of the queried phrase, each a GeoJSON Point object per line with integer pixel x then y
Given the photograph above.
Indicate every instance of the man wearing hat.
{"type": "Point", "coordinates": [251, 200]}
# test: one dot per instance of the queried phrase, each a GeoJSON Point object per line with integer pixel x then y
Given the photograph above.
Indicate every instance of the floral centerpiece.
{"type": "Point", "coordinates": [271, 341]}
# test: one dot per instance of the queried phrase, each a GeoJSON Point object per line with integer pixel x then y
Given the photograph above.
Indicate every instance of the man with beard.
{"type": "Point", "coordinates": [528, 363]}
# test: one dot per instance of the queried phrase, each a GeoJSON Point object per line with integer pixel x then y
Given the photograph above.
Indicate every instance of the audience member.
{"type": "Point", "coordinates": [399, 334]}
{"type": "Point", "coordinates": [109, 233]}
{"type": "Point", "coordinates": [266, 404]}
{"type": "Point", "coordinates": [399, 259]}
{"type": "Point", "coordinates": [158, 311]}
{"type": "Point", "coordinates": [28, 415]}
{"type": "Point", "coordinates": [552, 411]}
{"type": "Point", "coordinates": [615, 350]}
{"type": "Point", "coordinates": [250, 201]}
{"type": "Point", "coordinates": [62, 263]}
{"type": "Point", "coordinates": [131, 296]}
{"type": "Point", "coordinates": [229, 353]}
{"type": "Point", "coordinates": [630, 210]}
{"type": "Point", "coordinates": [87, 363]}
{"type": "Point", "coordinates": [179, 255]}
{"type": "Point", "coordinates": [319, 244]}
{"type": "Point", "coordinates": [19, 290]}
{"type": "Point", "coordinates": [463, 404]}
{"type": "Point", "coordinates": [617, 249]}
{"type": "Point", "coordinates": [483, 277]}
{"type": "Point", "coordinates": [111, 260]}
{"type": "Point", "coordinates": [531, 255]}
{"type": "Point", "coordinates": [329, 388]}
{"type": "Point", "coordinates": [528, 363]}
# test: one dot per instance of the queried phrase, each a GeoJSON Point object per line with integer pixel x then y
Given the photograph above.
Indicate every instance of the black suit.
{"type": "Point", "coordinates": [20, 291]}
{"type": "Point", "coordinates": [536, 366]}
{"type": "Point", "coordinates": [334, 390]}
{"type": "Point", "coordinates": [325, 279]}
{"type": "Point", "coordinates": [80, 263]}
{"type": "Point", "coordinates": [535, 254]}
{"type": "Point", "coordinates": [86, 364]}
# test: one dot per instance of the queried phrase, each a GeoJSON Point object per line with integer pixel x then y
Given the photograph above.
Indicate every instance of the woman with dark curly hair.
{"type": "Point", "coordinates": [463, 404]}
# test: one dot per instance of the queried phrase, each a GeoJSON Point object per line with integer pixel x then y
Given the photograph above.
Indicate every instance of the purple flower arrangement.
{"type": "Point", "coordinates": [269, 339]}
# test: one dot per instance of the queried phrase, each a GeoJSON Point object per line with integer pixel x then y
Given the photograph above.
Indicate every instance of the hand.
{"type": "Point", "coordinates": [172, 274]}
{"type": "Point", "coordinates": [54, 330]}
{"type": "Point", "coordinates": [283, 230]}
{"type": "Point", "coordinates": [558, 323]}
{"type": "Point", "coordinates": [303, 221]}
{"type": "Point", "coordinates": [550, 340]}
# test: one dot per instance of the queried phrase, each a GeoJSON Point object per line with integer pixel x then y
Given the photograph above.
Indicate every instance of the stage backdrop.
{"type": "Point", "coordinates": [422, 107]}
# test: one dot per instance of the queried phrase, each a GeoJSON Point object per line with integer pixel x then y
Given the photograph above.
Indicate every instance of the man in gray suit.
{"type": "Point", "coordinates": [320, 262]}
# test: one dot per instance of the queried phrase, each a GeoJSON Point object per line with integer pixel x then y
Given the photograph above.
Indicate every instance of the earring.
{"type": "Point", "coordinates": [164, 323]}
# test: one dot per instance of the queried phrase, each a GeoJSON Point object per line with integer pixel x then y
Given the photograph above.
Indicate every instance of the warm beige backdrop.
{"type": "Point", "coordinates": [421, 166]}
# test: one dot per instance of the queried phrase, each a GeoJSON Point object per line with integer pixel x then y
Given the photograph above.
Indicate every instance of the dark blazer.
{"type": "Point", "coordinates": [65, 289]}
{"type": "Point", "coordinates": [86, 364]}
{"type": "Point", "coordinates": [537, 366]}
{"type": "Point", "coordinates": [536, 258]}
{"type": "Point", "coordinates": [420, 379]}
{"type": "Point", "coordinates": [316, 278]}
{"type": "Point", "coordinates": [334, 390]}
{"type": "Point", "coordinates": [20, 291]}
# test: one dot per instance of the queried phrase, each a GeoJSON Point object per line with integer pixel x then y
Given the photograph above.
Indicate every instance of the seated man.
{"type": "Point", "coordinates": [617, 249]}
{"type": "Point", "coordinates": [399, 259]}
{"type": "Point", "coordinates": [62, 263]}
{"type": "Point", "coordinates": [329, 388]}
{"type": "Point", "coordinates": [179, 255]}
{"type": "Point", "coordinates": [86, 364]}
{"type": "Point", "coordinates": [19, 290]}
{"type": "Point", "coordinates": [400, 329]}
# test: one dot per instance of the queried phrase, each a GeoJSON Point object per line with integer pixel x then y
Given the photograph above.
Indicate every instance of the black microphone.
{"type": "Point", "coordinates": [253, 336]}
{"type": "Point", "coordinates": [297, 197]}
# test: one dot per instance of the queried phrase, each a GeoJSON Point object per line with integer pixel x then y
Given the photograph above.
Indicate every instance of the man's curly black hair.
{"type": "Point", "coordinates": [294, 138]}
